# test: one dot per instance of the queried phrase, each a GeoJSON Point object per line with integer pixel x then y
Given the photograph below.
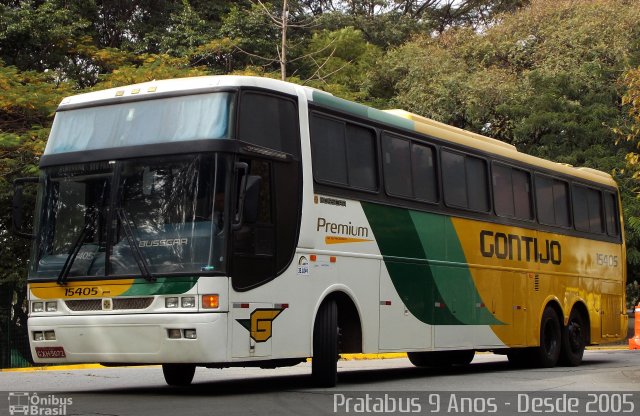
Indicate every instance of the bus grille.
{"type": "Point", "coordinates": [83, 305]}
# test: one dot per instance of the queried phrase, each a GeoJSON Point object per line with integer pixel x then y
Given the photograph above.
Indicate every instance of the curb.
{"type": "Point", "coordinates": [52, 368]}
{"type": "Point", "coordinates": [345, 357]}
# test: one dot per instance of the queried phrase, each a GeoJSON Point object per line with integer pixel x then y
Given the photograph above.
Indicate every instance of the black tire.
{"type": "Point", "coordinates": [547, 354]}
{"type": "Point", "coordinates": [520, 357]}
{"type": "Point", "coordinates": [441, 359]}
{"type": "Point", "coordinates": [574, 340]}
{"type": "Point", "coordinates": [178, 374]}
{"type": "Point", "coordinates": [324, 364]}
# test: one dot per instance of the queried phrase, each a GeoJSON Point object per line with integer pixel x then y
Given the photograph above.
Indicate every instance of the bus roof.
{"type": "Point", "coordinates": [445, 132]}
{"type": "Point", "coordinates": [397, 118]}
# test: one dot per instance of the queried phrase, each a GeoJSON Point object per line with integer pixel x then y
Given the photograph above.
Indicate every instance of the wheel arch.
{"type": "Point", "coordinates": [349, 318]}
{"type": "Point", "coordinates": [580, 307]}
{"type": "Point", "coordinates": [553, 303]}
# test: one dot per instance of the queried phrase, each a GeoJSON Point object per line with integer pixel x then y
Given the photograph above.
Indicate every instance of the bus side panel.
{"type": "Point", "coordinates": [537, 267]}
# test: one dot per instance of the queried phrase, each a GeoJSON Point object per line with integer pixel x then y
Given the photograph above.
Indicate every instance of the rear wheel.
{"type": "Point", "coordinates": [574, 340]}
{"type": "Point", "coordinates": [441, 358]}
{"type": "Point", "coordinates": [178, 374]}
{"type": "Point", "coordinates": [324, 364]}
{"type": "Point", "coordinates": [547, 354]}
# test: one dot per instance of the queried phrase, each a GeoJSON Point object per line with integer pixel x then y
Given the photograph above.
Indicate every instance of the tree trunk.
{"type": "Point", "coordinates": [283, 51]}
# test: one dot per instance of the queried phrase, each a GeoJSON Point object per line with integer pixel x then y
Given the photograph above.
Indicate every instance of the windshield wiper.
{"type": "Point", "coordinates": [75, 249]}
{"type": "Point", "coordinates": [137, 254]}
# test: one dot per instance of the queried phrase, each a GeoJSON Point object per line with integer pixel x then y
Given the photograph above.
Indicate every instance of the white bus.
{"type": "Point", "coordinates": [239, 221]}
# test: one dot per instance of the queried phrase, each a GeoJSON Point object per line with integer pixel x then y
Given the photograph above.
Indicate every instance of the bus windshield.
{"type": "Point", "coordinates": [174, 119]}
{"type": "Point", "coordinates": [165, 215]}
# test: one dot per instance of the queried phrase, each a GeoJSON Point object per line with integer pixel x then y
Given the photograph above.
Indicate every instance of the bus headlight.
{"type": "Point", "coordinates": [37, 307]}
{"type": "Point", "coordinates": [38, 336]}
{"type": "Point", "coordinates": [188, 302]}
{"type": "Point", "coordinates": [52, 306]}
{"type": "Point", "coordinates": [50, 335]}
{"type": "Point", "coordinates": [171, 302]}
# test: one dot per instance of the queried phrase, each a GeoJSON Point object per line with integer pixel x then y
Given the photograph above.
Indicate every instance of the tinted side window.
{"type": "Point", "coordinates": [522, 194]}
{"type": "Point", "coordinates": [477, 184]}
{"type": "Point", "coordinates": [587, 209]}
{"type": "Point", "coordinates": [580, 208]}
{"type": "Point", "coordinates": [397, 165]}
{"type": "Point", "coordinates": [454, 179]}
{"type": "Point", "coordinates": [611, 214]}
{"type": "Point", "coordinates": [552, 201]}
{"type": "Point", "coordinates": [594, 199]}
{"type": "Point", "coordinates": [502, 190]}
{"type": "Point", "coordinates": [561, 202]}
{"type": "Point", "coordinates": [343, 153]}
{"type": "Point", "coordinates": [269, 121]}
{"type": "Point", "coordinates": [423, 169]}
{"type": "Point", "coordinates": [465, 181]}
{"type": "Point", "coordinates": [328, 150]}
{"type": "Point", "coordinates": [361, 157]}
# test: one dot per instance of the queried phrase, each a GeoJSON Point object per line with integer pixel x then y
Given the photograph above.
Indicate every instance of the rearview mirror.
{"type": "Point", "coordinates": [18, 208]}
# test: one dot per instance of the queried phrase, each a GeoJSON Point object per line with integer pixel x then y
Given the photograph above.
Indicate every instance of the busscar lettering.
{"type": "Point", "coordinates": [512, 246]}
{"type": "Point", "coordinates": [342, 229]}
{"type": "Point", "coordinates": [164, 243]}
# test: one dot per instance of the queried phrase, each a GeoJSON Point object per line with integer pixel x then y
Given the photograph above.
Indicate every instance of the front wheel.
{"type": "Point", "coordinates": [324, 364]}
{"type": "Point", "coordinates": [574, 340]}
{"type": "Point", "coordinates": [178, 374]}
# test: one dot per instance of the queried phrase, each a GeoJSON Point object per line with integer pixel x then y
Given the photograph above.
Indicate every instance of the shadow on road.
{"type": "Point", "coordinates": [347, 380]}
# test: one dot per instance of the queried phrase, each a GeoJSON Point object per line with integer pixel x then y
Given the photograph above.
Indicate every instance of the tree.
{"type": "Point", "coordinates": [545, 78]}
{"type": "Point", "coordinates": [27, 101]}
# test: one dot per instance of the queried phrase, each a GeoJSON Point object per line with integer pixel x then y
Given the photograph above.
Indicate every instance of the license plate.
{"type": "Point", "coordinates": [50, 352]}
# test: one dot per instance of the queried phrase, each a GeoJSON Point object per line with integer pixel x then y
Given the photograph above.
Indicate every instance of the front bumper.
{"type": "Point", "coordinates": [135, 339]}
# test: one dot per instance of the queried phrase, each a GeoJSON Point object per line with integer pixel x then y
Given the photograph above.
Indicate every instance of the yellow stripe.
{"type": "Point", "coordinates": [343, 240]}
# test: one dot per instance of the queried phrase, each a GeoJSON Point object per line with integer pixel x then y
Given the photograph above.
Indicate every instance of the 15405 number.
{"type": "Point", "coordinates": [81, 291]}
{"type": "Point", "coordinates": [606, 260]}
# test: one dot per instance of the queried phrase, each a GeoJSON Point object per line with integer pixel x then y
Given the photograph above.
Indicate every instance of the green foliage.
{"type": "Point", "coordinates": [39, 35]}
{"type": "Point", "coordinates": [339, 61]}
{"type": "Point", "coordinates": [254, 35]}
{"type": "Point", "coordinates": [546, 78]}
{"type": "Point", "coordinates": [186, 31]}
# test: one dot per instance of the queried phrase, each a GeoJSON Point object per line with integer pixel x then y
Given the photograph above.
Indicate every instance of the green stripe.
{"type": "Point", "coordinates": [162, 286]}
{"type": "Point", "coordinates": [360, 110]}
{"type": "Point", "coordinates": [427, 266]}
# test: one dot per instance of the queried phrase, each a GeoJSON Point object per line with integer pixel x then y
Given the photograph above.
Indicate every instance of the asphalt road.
{"type": "Point", "coordinates": [362, 386]}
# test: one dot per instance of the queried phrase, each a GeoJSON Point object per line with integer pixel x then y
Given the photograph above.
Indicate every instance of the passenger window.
{"type": "Point", "coordinates": [552, 201]}
{"type": "Point", "coordinates": [343, 153]}
{"type": "Point", "coordinates": [587, 209]}
{"type": "Point", "coordinates": [269, 121]}
{"type": "Point", "coordinates": [409, 169]}
{"type": "Point", "coordinates": [423, 169]}
{"type": "Point", "coordinates": [329, 152]}
{"type": "Point", "coordinates": [361, 157]}
{"type": "Point", "coordinates": [611, 214]}
{"type": "Point", "coordinates": [511, 192]}
{"type": "Point", "coordinates": [454, 179]}
{"type": "Point", "coordinates": [397, 166]}
{"type": "Point", "coordinates": [522, 194]}
{"type": "Point", "coordinates": [465, 181]}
